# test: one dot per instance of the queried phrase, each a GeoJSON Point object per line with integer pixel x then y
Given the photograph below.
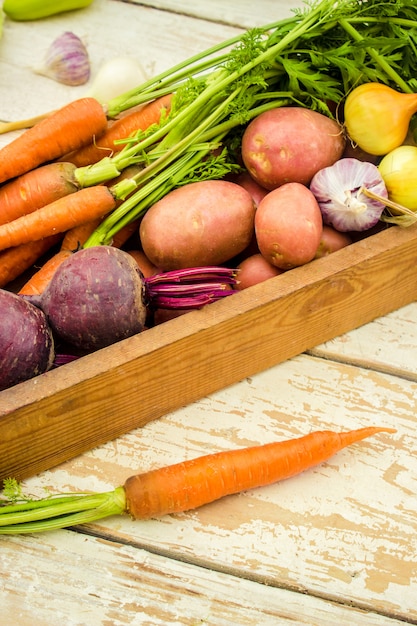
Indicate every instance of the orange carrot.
{"type": "Point", "coordinates": [122, 128]}
{"type": "Point", "coordinates": [66, 129]}
{"type": "Point", "coordinates": [183, 486]}
{"type": "Point", "coordinates": [72, 241]}
{"type": "Point", "coordinates": [58, 217]}
{"type": "Point", "coordinates": [35, 189]}
{"type": "Point", "coordinates": [75, 237]}
{"type": "Point", "coordinates": [15, 261]}
{"type": "Point", "coordinates": [120, 238]}
{"type": "Point", "coordinates": [191, 484]}
{"type": "Point", "coordinates": [40, 279]}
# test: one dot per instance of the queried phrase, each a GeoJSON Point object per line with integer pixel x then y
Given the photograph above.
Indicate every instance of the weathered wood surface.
{"type": "Point", "coordinates": [242, 13]}
{"type": "Point", "coordinates": [79, 580]}
{"type": "Point", "coordinates": [344, 532]}
{"type": "Point", "coordinates": [388, 344]}
{"type": "Point", "coordinates": [335, 545]}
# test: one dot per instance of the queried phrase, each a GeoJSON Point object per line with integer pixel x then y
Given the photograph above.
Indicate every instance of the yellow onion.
{"type": "Point", "coordinates": [398, 169]}
{"type": "Point", "coordinates": [377, 117]}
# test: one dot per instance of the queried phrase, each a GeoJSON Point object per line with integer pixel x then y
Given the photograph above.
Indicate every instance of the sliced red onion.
{"type": "Point", "coordinates": [340, 191]}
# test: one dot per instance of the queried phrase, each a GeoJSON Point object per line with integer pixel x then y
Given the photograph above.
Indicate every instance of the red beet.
{"type": "Point", "coordinates": [95, 298]}
{"type": "Point", "coordinates": [26, 343]}
{"type": "Point", "coordinates": [99, 296]}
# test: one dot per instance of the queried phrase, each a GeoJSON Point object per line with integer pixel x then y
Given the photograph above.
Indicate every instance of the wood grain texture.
{"type": "Point", "coordinates": [388, 344]}
{"type": "Point", "coordinates": [344, 531]}
{"type": "Point", "coordinates": [243, 13]}
{"type": "Point", "coordinates": [102, 583]}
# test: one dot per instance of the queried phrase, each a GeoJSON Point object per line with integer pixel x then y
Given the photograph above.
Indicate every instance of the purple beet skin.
{"type": "Point", "coordinates": [95, 298]}
{"type": "Point", "coordinates": [26, 343]}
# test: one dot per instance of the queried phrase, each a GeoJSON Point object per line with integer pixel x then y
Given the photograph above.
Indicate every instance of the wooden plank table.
{"type": "Point", "coordinates": [336, 545]}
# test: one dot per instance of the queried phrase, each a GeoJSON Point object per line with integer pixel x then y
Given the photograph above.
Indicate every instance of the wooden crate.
{"type": "Point", "coordinates": [63, 413]}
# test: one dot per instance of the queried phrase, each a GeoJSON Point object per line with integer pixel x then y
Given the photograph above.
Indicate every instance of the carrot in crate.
{"type": "Point", "coordinates": [122, 128]}
{"type": "Point", "coordinates": [63, 131]}
{"type": "Point", "coordinates": [72, 241]}
{"type": "Point", "coordinates": [75, 237]}
{"type": "Point", "coordinates": [35, 189]}
{"type": "Point", "coordinates": [15, 261]}
{"type": "Point", "coordinates": [58, 217]}
{"type": "Point", "coordinates": [38, 282]}
{"type": "Point", "coordinates": [180, 487]}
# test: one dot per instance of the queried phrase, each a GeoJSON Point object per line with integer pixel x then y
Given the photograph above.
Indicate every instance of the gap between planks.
{"type": "Point", "coordinates": [373, 365]}
{"type": "Point", "coordinates": [99, 533]}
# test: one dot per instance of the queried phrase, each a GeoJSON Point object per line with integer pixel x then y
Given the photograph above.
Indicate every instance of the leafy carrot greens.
{"type": "Point", "coordinates": [311, 59]}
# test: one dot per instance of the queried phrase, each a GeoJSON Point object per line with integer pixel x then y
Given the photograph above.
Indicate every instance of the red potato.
{"type": "Point", "coordinates": [161, 316]}
{"type": "Point", "coordinates": [332, 240]}
{"type": "Point", "coordinates": [253, 270]}
{"type": "Point", "coordinates": [289, 226]}
{"type": "Point", "coordinates": [290, 144]}
{"type": "Point", "coordinates": [202, 223]}
{"type": "Point", "coordinates": [247, 182]}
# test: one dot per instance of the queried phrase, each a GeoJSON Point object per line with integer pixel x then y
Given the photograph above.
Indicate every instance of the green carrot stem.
{"type": "Point", "coordinates": [200, 62]}
{"type": "Point", "coordinates": [136, 204]}
{"type": "Point", "coordinates": [61, 511]}
{"type": "Point", "coordinates": [379, 59]}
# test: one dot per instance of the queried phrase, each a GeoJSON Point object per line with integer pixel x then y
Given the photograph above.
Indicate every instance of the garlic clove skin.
{"type": "Point", "coordinates": [66, 61]}
{"type": "Point", "coordinates": [115, 77]}
{"type": "Point", "coordinates": [339, 191]}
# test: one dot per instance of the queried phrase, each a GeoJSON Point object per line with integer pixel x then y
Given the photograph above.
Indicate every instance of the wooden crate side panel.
{"type": "Point", "coordinates": [68, 411]}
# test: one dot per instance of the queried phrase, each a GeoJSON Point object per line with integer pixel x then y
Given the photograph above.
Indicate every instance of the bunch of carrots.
{"type": "Point", "coordinates": [73, 167]}
{"type": "Point", "coordinates": [42, 205]}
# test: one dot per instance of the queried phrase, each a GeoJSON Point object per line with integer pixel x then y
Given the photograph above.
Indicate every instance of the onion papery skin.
{"type": "Point", "coordinates": [398, 169]}
{"type": "Point", "coordinates": [338, 191]}
{"type": "Point", "coordinates": [377, 117]}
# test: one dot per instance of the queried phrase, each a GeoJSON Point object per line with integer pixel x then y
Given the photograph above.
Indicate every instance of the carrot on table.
{"type": "Point", "coordinates": [182, 486]}
{"type": "Point", "coordinates": [65, 130]}
{"type": "Point", "coordinates": [15, 261]}
{"type": "Point", "coordinates": [35, 189]}
{"type": "Point", "coordinates": [58, 217]}
{"type": "Point", "coordinates": [191, 484]}
{"type": "Point", "coordinates": [122, 128]}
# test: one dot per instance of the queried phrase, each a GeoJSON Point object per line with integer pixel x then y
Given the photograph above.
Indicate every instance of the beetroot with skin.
{"type": "Point", "coordinates": [95, 298]}
{"type": "Point", "coordinates": [26, 342]}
